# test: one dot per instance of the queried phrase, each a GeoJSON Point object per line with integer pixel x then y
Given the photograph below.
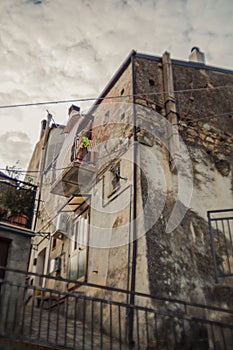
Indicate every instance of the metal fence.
{"type": "Point", "coordinates": [221, 235]}
{"type": "Point", "coordinates": [75, 320]}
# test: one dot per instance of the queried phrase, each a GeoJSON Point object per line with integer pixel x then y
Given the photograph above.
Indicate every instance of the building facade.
{"type": "Point", "coordinates": [124, 190]}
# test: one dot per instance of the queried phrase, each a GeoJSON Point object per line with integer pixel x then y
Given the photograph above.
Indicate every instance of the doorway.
{"type": "Point", "coordinates": [4, 248]}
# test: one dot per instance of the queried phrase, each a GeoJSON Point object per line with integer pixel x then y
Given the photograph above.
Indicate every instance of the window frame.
{"type": "Point", "coordinates": [79, 247]}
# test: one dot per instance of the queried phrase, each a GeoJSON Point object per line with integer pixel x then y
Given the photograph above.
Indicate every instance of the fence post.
{"type": "Point", "coordinates": [212, 247]}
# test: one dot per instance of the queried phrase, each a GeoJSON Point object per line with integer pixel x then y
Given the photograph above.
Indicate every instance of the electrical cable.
{"type": "Point", "coordinates": [16, 171]}
{"type": "Point", "coordinates": [110, 97]}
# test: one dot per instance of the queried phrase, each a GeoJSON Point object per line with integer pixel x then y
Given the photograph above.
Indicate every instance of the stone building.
{"type": "Point", "coordinates": [15, 249]}
{"type": "Point", "coordinates": [15, 226]}
{"type": "Point", "coordinates": [125, 189]}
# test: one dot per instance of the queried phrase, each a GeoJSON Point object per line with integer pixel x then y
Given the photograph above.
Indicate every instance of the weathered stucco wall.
{"type": "Point", "coordinates": [19, 250]}
{"type": "Point", "coordinates": [111, 226]}
{"type": "Point", "coordinates": [180, 263]}
{"type": "Point", "coordinates": [46, 155]}
{"type": "Point", "coordinates": [18, 257]}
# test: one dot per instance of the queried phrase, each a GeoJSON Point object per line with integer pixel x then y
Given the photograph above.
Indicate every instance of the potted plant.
{"type": "Point", "coordinates": [82, 151]}
{"type": "Point", "coordinates": [85, 141]}
{"type": "Point", "coordinates": [20, 203]}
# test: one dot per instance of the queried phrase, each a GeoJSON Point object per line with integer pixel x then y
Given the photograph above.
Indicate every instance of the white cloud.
{"type": "Point", "coordinates": [15, 146]}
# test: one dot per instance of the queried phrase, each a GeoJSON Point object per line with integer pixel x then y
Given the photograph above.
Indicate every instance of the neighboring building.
{"type": "Point", "coordinates": [124, 190]}
{"type": "Point", "coordinates": [15, 242]}
{"type": "Point", "coordinates": [42, 167]}
{"type": "Point", "coordinates": [16, 211]}
{"type": "Point", "coordinates": [15, 247]}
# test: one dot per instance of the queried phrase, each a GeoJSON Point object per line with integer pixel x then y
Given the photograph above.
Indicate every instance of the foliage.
{"type": "Point", "coordinates": [19, 200]}
{"type": "Point", "coordinates": [85, 141]}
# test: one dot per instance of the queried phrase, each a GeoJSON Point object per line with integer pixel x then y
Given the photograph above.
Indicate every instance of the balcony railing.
{"type": "Point", "coordinates": [79, 172]}
{"type": "Point", "coordinates": [221, 235]}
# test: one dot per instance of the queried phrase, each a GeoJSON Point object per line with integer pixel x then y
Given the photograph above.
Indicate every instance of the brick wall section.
{"type": "Point", "coordinates": [200, 120]}
{"type": "Point", "coordinates": [149, 80]}
{"type": "Point", "coordinates": [213, 98]}
{"type": "Point", "coordinates": [200, 112]}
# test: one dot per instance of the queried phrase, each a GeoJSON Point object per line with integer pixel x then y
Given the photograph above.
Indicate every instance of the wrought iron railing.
{"type": "Point", "coordinates": [221, 235]}
{"type": "Point", "coordinates": [76, 320]}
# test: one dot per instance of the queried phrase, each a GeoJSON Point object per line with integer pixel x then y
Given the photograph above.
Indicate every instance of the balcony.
{"type": "Point", "coordinates": [79, 174]}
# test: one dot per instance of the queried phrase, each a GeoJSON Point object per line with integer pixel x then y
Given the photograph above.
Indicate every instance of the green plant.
{"type": "Point", "coordinates": [85, 141]}
{"type": "Point", "coordinates": [19, 201]}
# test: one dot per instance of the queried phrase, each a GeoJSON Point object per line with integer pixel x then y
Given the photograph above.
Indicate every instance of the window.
{"type": "Point", "coordinates": [151, 82]}
{"type": "Point", "coordinates": [114, 179]}
{"type": "Point", "coordinates": [73, 267]}
{"type": "Point", "coordinates": [82, 263]}
{"type": "Point", "coordinates": [79, 247]}
{"type": "Point", "coordinates": [74, 240]}
{"type": "Point", "coordinates": [106, 118]}
{"type": "Point", "coordinates": [54, 243]}
{"type": "Point", "coordinates": [82, 239]}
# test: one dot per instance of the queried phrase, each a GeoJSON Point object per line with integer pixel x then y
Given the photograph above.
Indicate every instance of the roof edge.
{"type": "Point", "coordinates": [201, 66]}
{"type": "Point", "coordinates": [16, 229]}
{"type": "Point", "coordinates": [112, 81]}
{"type": "Point", "coordinates": [136, 54]}
{"type": "Point", "coordinates": [185, 63]}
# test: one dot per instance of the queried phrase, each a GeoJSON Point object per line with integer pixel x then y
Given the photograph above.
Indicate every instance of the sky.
{"type": "Point", "coordinates": [69, 49]}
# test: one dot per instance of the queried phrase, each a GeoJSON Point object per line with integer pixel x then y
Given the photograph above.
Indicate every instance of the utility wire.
{"type": "Point", "coordinates": [109, 97]}
{"type": "Point", "coordinates": [60, 169]}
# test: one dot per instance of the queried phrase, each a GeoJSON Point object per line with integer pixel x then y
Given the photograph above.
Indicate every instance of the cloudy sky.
{"type": "Point", "coordinates": [67, 49]}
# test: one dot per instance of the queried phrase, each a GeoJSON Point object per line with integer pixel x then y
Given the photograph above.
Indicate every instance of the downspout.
{"type": "Point", "coordinates": [41, 169]}
{"type": "Point", "coordinates": [42, 165]}
{"type": "Point", "coordinates": [171, 114]}
{"type": "Point", "coordinates": [134, 248]}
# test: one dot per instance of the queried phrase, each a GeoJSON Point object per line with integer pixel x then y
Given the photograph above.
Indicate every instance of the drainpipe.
{"type": "Point", "coordinates": [45, 136]}
{"type": "Point", "coordinates": [171, 114]}
{"type": "Point", "coordinates": [134, 248]}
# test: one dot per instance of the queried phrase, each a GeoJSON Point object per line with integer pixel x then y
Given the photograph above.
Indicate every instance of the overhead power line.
{"type": "Point", "coordinates": [109, 97]}
{"type": "Point", "coordinates": [24, 172]}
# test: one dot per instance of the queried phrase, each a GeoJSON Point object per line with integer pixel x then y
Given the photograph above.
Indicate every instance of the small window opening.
{"type": "Point", "coordinates": [122, 92]}
{"type": "Point", "coordinates": [54, 243]}
{"type": "Point", "coordinates": [122, 116]}
{"type": "Point", "coordinates": [115, 177]}
{"type": "Point", "coordinates": [106, 118]}
{"type": "Point", "coordinates": [151, 82]}
{"type": "Point", "coordinates": [76, 232]}
{"type": "Point", "coordinates": [158, 109]}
